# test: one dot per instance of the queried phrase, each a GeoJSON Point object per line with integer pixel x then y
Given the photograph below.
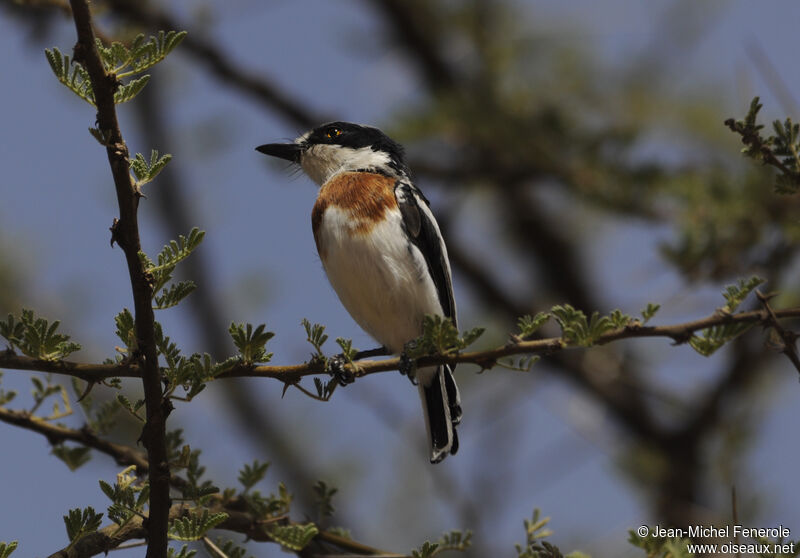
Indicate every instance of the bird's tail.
{"type": "Point", "coordinates": [441, 404]}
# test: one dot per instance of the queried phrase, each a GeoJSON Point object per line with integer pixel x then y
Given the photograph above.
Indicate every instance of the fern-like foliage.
{"type": "Point", "coordinates": [316, 336]}
{"type": "Point", "coordinates": [7, 548]}
{"type": "Point", "coordinates": [72, 75]}
{"type": "Point", "coordinates": [195, 525]}
{"type": "Point", "coordinates": [184, 552]}
{"type": "Point", "coordinates": [172, 295]}
{"type": "Point", "coordinates": [324, 497]}
{"type": "Point", "coordinates": [650, 311]}
{"type": "Point", "coordinates": [528, 325]}
{"type": "Point", "coordinates": [440, 336]}
{"type": "Point", "coordinates": [295, 536]}
{"type": "Point", "coordinates": [80, 522]}
{"type": "Point", "coordinates": [713, 338]}
{"type": "Point", "coordinates": [250, 342]}
{"type": "Point", "coordinates": [119, 61]}
{"type": "Point", "coordinates": [780, 150]}
{"type": "Point", "coordinates": [6, 396]}
{"type": "Point", "coordinates": [170, 256]}
{"type": "Point", "coordinates": [576, 329]}
{"type": "Point", "coordinates": [145, 171]}
{"type": "Point", "coordinates": [735, 294]}
{"type": "Point", "coordinates": [250, 475]}
{"type": "Point", "coordinates": [36, 338]}
{"type": "Point", "coordinates": [73, 456]}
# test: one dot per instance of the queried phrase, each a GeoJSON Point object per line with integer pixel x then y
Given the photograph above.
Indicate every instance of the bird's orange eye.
{"type": "Point", "coordinates": [333, 133]}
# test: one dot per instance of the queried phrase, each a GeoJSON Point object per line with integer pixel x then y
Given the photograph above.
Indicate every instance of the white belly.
{"type": "Point", "coordinates": [380, 277]}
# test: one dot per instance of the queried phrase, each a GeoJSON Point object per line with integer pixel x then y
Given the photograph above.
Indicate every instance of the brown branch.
{"type": "Point", "coordinates": [125, 232]}
{"type": "Point", "coordinates": [679, 333]}
{"type": "Point", "coordinates": [56, 434]}
{"type": "Point", "coordinates": [788, 338]}
{"type": "Point", "coordinates": [106, 539]}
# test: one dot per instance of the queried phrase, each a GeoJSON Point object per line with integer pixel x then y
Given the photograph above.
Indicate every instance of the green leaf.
{"type": "Point", "coordinates": [715, 337]}
{"type": "Point", "coordinates": [348, 351]}
{"type": "Point", "coordinates": [529, 325]}
{"type": "Point", "coordinates": [7, 548]}
{"type": "Point", "coordinates": [735, 294]}
{"type": "Point", "coordinates": [324, 495]}
{"type": "Point", "coordinates": [81, 522]}
{"type": "Point", "coordinates": [440, 336]}
{"type": "Point", "coordinates": [315, 335]}
{"type": "Point", "coordinates": [71, 74]}
{"type": "Point", "coordinates": [145, 171]}
{"type": "Point", "coordinates": [179, 250]}
{"type": "Point", "coordinates": [128, 91]}
{"type": "Point", "coordinates": [184, 552]}
{"type": "Point", "coordinates": [251, 342]}
{"type": "Point", "coordinates": [126, 329]}
{"type": "Point", "coordinates": [427, 550]}
{"type": "Point", "coordinates": [249, 476]}
{"type": "Point", "coordinates": [195, 525]}
{"type": "Point", "coordinates": [145, 55]}
{"type": "Point", "coordinates": [74, 457]}
{"type": "Point", "coordinates": [650, 311]}
{"type": "Point", "coordinates": [294, 537]}
{"type": "Point", "coordinates": [172, 295]}
{"type": "Point", "coordinates": [37, 338]}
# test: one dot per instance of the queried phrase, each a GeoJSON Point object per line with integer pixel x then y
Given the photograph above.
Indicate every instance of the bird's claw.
{"type": "Point", "coordinates": [337, 369]}
{"type": "Point", "coordinates": [407, 366]}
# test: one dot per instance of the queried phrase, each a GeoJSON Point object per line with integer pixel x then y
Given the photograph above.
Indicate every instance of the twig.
{"type": "Point", "coordinates": [788, 338]}
{"type": "Point", "coordinates": [126, 234]}
{"type": "Point", "coordinates": [679, 333]}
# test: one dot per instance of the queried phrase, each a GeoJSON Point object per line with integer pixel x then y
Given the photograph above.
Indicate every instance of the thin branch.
{"type": "Point", "coordinates": [788, 338]}
{"type": "Point", "coordinates": [125, 232]}
{"type": "Point", "coordinates": [679, 333]}
{"type": "Point", "coordinates": [57, 434]}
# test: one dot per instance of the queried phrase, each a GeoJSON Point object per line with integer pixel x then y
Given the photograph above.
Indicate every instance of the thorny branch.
{"type": "Point", "coordinates": [486, 359]}
{"type": "Point", "coordinates": [111, 537]}
{"type": "Point", "coordinates": [125, 232]}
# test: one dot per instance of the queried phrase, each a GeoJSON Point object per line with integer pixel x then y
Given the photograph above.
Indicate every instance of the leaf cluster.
{"type": "Point", "coordinates": [195, 524]}
{"type": "Point", "coordinates": [780, 150]}
{"type": "Point", "coordinates": [128, 496]}
{"type": "Point", "coordinates": [735, 294]}
{"type": "Point", "coordinates": [36, 337]}
{"type": "Point", "coordinates": [251, 342]}
{"type": "Point", "coordinates": [577, 329]}
{"type": "Point", "coordinates": [161, 272]}
{"type": "Point", "coordinates": [119, 62]}
{"type": "Point", "coordinates": [80, 522]}
{"type": "Point", "coordinates": [7, 548]}
{"type": "Point", "coordinates": [454, 540]}
{"type": "Point", "coordinates": [440, 337]}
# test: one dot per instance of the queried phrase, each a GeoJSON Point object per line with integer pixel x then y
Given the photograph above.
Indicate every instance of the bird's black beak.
{"type": "Point", "coordinates": [289, 151]}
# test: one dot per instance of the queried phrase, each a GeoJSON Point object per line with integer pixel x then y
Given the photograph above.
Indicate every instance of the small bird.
{"type": "Point", "coordinates": [382, 250]}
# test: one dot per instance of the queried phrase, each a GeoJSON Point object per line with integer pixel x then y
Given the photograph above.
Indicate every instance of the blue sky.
{"type": "Point", "coordinates": [57, 204]}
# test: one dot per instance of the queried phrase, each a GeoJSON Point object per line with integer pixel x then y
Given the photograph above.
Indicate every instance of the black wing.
{"type": "Point", "coordinates": [424, 233]}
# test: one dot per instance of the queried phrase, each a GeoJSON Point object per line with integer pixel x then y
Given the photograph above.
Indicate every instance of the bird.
{"type": "Point", "coordinates": [382, 251]}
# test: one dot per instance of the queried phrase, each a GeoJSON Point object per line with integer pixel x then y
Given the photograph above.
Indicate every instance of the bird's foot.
{"type": "Point", "coordinates": [337, 368]}
{"type": "Point", "coordinates": [407, 365]}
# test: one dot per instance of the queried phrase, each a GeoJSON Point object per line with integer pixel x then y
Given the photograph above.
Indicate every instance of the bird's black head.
{"type": "Point", "coordinates": [341, 145]}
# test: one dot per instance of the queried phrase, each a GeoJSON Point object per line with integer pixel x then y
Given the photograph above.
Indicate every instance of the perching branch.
{"type": "Point", "coordinates": [679, 333]}
{"type": "Point", "coordinates": [125, 232]}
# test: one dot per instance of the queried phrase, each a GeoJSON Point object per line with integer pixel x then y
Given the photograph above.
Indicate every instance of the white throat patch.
{"type": "Point", "coordinates": [321, 162]}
